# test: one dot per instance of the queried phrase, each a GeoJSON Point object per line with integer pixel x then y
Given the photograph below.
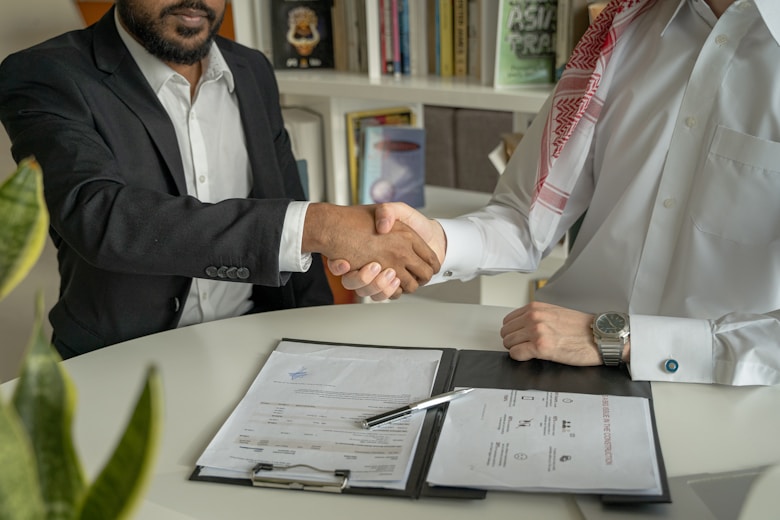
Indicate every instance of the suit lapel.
{"type": "Point", "coordinates": [125, 79]}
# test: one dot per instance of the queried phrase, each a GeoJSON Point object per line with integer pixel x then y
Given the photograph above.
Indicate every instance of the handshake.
{"type": "Point", "coordinates": [382, 250]}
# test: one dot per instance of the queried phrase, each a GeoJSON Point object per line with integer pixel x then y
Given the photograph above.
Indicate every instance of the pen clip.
{"type": "Point", "coordinates": [339, 482]}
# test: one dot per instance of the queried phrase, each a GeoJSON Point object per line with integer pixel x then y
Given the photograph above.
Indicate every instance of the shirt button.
{"type": "Point", "coordinates": [721, 40]}
{"type": "Point", "coordinates": [690, 121]}
{"type": "Point", "coordinates": [668, 203]}
{"type": "Point", "coordinates": [204, 296]}
{"type": "Point", "coordinates": [447, 274]}
{"type": "Point", "coordinates": [202, 179]}
{"type": "Point", "coordinates": [242, 273]}
{"type": "Point", "coordinates": [671, 366]}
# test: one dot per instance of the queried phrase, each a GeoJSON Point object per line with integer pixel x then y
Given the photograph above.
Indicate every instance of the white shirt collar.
{"type": "Point", "coordinates": [158, 73]}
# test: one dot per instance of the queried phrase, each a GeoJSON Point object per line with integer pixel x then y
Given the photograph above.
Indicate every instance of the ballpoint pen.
{"type": "Point", "coordinates": [404, 411]}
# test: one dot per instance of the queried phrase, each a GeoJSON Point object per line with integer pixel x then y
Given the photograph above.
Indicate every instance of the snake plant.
{"type": "Point", "coordinates": [41, 475]}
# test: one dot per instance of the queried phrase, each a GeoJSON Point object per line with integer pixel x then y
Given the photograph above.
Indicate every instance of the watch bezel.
{"type": "Point", "coordinates": [622, 334]}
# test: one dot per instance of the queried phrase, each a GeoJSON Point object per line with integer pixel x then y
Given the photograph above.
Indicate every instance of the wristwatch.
{"type": "Point", "coordinates": [611, 332]}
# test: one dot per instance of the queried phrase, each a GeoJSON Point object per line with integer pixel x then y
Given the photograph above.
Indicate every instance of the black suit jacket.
{"type": "Point", "coordinates": [129, 238]}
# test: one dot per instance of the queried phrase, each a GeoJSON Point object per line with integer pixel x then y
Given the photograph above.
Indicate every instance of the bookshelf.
{"type": "Point", "coordinates": [332, 94]}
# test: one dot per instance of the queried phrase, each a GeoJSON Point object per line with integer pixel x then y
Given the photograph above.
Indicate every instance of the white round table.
{"type": "Point", "coordinates": [207, 368]}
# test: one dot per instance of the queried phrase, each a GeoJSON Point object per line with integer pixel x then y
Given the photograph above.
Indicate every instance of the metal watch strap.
{"type": "Point", "coordinates": [611, 351]}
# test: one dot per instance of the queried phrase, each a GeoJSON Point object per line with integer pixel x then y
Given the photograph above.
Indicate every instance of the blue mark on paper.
{"type": "Point", "coordinates": [301, 372]}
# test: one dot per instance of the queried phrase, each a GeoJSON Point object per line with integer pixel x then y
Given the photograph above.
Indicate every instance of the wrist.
{"type": "Point", "coordinates": [316, 225]}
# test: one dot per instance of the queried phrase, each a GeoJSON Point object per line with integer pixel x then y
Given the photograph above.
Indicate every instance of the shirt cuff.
{"type": "Point", "coordinates": [290, 257]}
{"type": "Point", "coordinates": [671, 349]}
{"type": "Point", "coordinates": [464, 250]}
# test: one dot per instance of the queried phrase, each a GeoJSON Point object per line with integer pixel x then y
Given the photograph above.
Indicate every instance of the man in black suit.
{"type": "Point", "coordinates": [172, 190]}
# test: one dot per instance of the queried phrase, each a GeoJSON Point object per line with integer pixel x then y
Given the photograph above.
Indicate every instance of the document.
{"type": "Point", "coordinates": [304, 412]}
{"type": "Point", "coordinates": [532, 440]}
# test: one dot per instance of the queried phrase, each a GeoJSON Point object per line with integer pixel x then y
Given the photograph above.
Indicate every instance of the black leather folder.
{"type": "Point", "coordinates": [481, 369]}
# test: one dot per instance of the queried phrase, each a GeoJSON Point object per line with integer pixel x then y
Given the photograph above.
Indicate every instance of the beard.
{"type": "Point", "coordinates": [187, 47]}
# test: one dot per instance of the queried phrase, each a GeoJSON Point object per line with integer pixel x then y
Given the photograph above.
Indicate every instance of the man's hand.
{"type": "Point", "coordinates": [349, 233]}
{"type": "Point", "coordinates": [544, 331]}
{"type": "Point", "coordinates": [371, 280]}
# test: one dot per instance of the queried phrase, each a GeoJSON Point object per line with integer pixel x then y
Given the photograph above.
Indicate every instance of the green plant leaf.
{"type": "Point", "coordinates": [44, 398]}
{"type": "Point", "coordinates": [24, 222]}
{"type": "Point", "coordinates": [116, 491]}
{"type": "Point", "coordinates": [20, 494]}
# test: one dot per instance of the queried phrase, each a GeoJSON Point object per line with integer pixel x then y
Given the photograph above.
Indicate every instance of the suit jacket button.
{"type": "Point", "coordinates": [231, 273]}
{"type": "Point", "coordinates": [243, 273]}
{"type": "Point", "coordinates": [211, 271]}
{"type": "Point", "coordinates": [222, 272]}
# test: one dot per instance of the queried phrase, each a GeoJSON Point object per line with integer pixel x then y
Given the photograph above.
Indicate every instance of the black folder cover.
{"type": "Point", "coordinates": [495, 369]}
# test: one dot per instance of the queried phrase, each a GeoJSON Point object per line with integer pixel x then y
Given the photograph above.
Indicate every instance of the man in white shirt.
{"type": "Point", "coordinates": [173, 194]}
{"type": "Point", "coordinates": [680, 186]}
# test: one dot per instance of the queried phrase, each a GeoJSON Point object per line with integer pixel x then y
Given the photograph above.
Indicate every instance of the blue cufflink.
{"type": "Point", "coordinates": [671, 365]}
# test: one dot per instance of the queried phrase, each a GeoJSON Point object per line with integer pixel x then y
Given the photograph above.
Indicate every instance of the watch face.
{"type": "Point", "coordinates": [611, 323]}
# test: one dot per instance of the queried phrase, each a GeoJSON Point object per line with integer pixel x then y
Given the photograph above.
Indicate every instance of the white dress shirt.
{"type": "Point", "coordinates": [216, 167]}
{"type": "Point", "coordinates": [682, 191]}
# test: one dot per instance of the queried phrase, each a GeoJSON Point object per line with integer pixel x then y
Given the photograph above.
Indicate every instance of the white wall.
{"type": "Point", "coordinates": [22, 24]}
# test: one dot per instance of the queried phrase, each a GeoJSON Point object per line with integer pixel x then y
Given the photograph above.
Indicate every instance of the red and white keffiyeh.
{"type": "Point", "coordinates": [575, 105]}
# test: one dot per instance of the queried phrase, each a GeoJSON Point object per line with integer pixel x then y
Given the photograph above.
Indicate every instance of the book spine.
{"type": "Point", "coordinates": [445, 38]}
{"type": "Point", "coordinates": [395, 19]}
{"type": "Point", "coordinates": [474, 50]}
{"type": "Point", "coordinates": [460, 37]}
{"type": "Point", "coordinates": [418, 37]}
{"type": "Point", "coordinates": [340, 46]}
{"type": "Point", "coordinates": [373, 41]}
{"type": "Point", "coordinates": [488, 26]}
{"type": "Point", "coordinates": [406, 47]}
{"type": "Point", "coordinates": [350, 22]}
{"type": "Point", "coordinates": [432, 35]}
{"type": "Point", "coordinates": [386, 32]}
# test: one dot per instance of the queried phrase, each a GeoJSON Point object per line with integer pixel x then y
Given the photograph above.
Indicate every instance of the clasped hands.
{"type": "Point", "coordinates": [535, 331]}
{"type": "Point", "coordinates": [352, 236]}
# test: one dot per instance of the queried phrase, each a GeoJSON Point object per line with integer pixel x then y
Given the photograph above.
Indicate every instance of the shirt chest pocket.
{"type": "Point", "coordinates": [738, 196]}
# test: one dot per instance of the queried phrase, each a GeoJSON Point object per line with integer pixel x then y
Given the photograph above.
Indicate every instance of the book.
{"type": "Point", "coordinates": [418, 37]}
{"type": "Point", "coordinates": [560, 428]}
{"type": "Point", "coordinates": [392, 168]}
{"type": "Point", "coordinates": [487, 25]}
{"type": "Point", "coordinates": [302, 34]}
{"type": "Point", "coordinates": [404, 37]}
{"type": "Point", "coordinates": [361, 36]}
{"type": "Point", "coordinates": [444, 16]}
{"type": "Point", "coordinates": [395, 30]}
{"type": "Point", "coordinates": [432, 36]}
{"type": "Point", "coordinates": [386, 47]}
{"type": "Point", "coordinates": [355, 122]}
{"type": "Point", "coordinates": [460, 37]}
{"type": "Point", "coordinates": [340, 45]}
{"type": "Point", "coordinates": [525, 42]}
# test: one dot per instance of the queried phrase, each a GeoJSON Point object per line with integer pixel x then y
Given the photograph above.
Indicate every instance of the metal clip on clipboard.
{"type": "Point", "coordinates": [260, 477]}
